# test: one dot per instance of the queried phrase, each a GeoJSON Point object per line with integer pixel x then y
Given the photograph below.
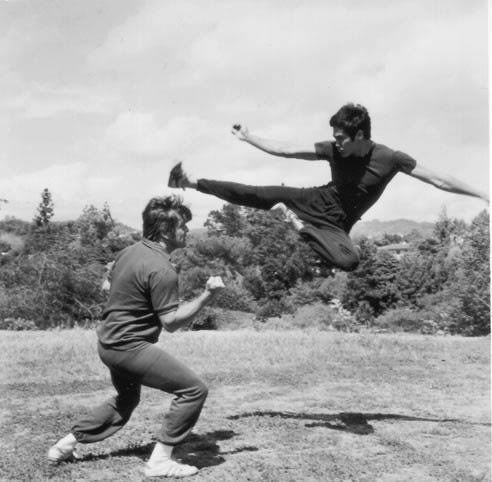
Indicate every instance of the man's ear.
{"type": "Point", "coordinates": [359, 136]}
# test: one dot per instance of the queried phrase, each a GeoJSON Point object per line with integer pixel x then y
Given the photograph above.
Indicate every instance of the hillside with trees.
{"type": "Point", "coordinates": [51, 273]}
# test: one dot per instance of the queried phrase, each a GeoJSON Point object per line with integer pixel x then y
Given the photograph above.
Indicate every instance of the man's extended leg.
{"type": "Point", "coordinates": [259, 197]}
{"type": "Point", "coordinates": [102, 421]}
{"type": "Point", "coordinates": [113, 414]}
{"type": "Point", "coordinates": [316, 207]}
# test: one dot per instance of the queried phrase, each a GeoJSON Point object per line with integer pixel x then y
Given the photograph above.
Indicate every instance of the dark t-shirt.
{"type": "Point", "coordinates": [144, 285]}
{"type": "Point", "coordinates": [358, 182]}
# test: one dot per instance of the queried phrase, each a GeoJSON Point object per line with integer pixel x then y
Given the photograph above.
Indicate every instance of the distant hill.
{"type": "Point", "coordinates": [376, 228]}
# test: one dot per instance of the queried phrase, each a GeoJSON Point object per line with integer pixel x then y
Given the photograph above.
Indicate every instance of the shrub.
{"type": "Point", "coordinates": [235, 298]}
{"type": "Point", "coordinates": [342, 319]}
{"type": "Point", "coordinates": [17, 324]}
{"type": "Point", "coordinates": [273, 308]}
{"type": "Point", "coordinates": [407, 320]}
{"type": "Point", "coordinates": [222, 319]}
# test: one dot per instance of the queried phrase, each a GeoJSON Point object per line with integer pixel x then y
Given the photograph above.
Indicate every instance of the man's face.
{"type": "Point", "coordinates": [181, 232]}
{"type": "Point", "coordinates": [344, 144]}
{"type": "Point", "coordinates": [179, 238]}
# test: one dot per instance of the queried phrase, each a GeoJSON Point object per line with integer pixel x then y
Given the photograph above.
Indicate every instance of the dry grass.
{"type": "Point", "coordinates": [283, 406]}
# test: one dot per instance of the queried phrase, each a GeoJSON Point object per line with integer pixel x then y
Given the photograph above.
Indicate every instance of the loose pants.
{"type": "Point", "coordinates": [150, 366]}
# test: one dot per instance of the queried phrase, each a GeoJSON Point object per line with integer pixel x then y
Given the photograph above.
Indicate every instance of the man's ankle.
{"type": "Point", "coordinates": [161, 453]}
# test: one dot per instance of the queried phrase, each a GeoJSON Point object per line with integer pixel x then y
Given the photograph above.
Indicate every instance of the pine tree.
{"type": "Point", "coordinates": [45, 209]}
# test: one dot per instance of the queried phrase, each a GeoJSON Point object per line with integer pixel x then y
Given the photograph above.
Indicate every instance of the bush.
{"type": "Point", "coordinates": [222, 319]}
{"type": "Point", "coordinates": [235, 298]}
{"type": "Point", "coordinates": [273, 308]}
{"type": "Point", "coordinates": [318, 316]}
{"type": "Point", "coordinates": [343, 320]}
{"type": "Point", "coordinates": [407, 320]}
{"type": "Point", "coordinates": [17, 324]}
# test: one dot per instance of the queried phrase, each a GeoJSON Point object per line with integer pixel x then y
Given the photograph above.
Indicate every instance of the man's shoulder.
{"type": "Point", "coordinates": [144, 255]}
{"type": "Point", "coordinates": [382, 150]}
{"type": "Point", "coordinates": [398, 159]}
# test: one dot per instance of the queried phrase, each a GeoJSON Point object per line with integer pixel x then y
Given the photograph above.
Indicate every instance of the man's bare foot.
{"type": "Point", "coordinates": [178, 178]}
{"type": "Point", "coordinates": [290, 215]}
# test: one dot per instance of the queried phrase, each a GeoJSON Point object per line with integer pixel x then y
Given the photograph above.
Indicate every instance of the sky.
{"type": "Point", "coordinates": [99, 98]}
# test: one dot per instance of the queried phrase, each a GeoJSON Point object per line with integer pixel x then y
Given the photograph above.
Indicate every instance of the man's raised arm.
{"type": "Point", "coordinates": [276, 148]}
{"type": "Point", "coordinates": [446, 183]}
{"type": "Point", "coordinates": [184, 314]}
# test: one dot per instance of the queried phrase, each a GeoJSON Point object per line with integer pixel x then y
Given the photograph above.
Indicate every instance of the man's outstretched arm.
{"type": "Point", "coordinates": [446, 183]}
{"type": "Point", "coordinates": [276, 148]}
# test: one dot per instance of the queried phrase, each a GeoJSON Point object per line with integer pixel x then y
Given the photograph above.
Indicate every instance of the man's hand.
{"type": "Point", "coordinates": [240, 131]}
{"type": "Point", "coordinates": [214, 283]}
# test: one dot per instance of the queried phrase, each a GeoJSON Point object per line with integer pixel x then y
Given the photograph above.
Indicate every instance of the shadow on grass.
{"type": "Point", "coordinates": [200, 450]}
{"type": "Point", "coordinates": [353, 422]}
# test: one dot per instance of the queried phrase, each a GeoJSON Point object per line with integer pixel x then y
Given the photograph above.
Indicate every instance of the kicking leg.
{"type": "Point", "coordinates": [259, 197]}
{"type": "Point", "coordinates": [102, 421]}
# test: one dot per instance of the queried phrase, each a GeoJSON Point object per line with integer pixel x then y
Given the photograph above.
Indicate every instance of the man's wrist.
{"type": "Point", "coordinates": [207, 294]}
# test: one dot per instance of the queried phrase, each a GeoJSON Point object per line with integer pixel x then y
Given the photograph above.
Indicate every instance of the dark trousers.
{"type": "Point", "coordinates": [150, 366]}
{"type": "Point", "coordinates": [326, 231]}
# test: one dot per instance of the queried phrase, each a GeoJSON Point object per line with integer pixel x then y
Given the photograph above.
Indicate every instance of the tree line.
{"type": "Point", "coordinates": [439, 283]}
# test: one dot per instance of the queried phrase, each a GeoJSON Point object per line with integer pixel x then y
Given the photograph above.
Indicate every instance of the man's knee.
{"type": "Point", "coordinates": [350, 262]}
{"type": "Point", "coordinates": [127, 402]}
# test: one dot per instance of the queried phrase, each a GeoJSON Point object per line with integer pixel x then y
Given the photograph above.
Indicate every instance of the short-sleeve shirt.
{"type": "Point", "coordinates": [144, 285]}
{"type": "Point", "coordinates": [358, 182]}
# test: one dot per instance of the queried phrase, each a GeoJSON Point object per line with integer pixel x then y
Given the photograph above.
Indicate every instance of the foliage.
{"type": "Point", "coordinates": [471, 290]}
{"type": "Point", "coordinates": [372, 285]}
{"type": "Point", "coordinates": [406, 319]}
{"type": "Point", "coordinates": [17, 324]}
{"type": "Point", "coordinates": [53, 273]}
{"type": "Point", "coordinates": [45, 209]}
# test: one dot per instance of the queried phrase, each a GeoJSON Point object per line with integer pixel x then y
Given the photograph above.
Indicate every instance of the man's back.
{"type": "Point", "coordinates": [143, 285]}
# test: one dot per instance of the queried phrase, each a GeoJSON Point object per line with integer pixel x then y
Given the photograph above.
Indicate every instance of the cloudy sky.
{"type": "Point", "coordinates": [99, 98]}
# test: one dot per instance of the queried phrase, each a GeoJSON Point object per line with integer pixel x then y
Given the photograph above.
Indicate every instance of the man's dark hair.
{"type": "Point", "coordinates": [161, 216]}
{"type": "Point", "coordinates": [352, 118]}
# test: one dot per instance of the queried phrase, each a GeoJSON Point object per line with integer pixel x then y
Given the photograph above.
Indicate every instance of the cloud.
{"type": "Point", "coordinates": [43, 101]}
{"type": "Point", "coordinates": [142, 133]}
{"type": "Point", "coordinates": [159, 80]}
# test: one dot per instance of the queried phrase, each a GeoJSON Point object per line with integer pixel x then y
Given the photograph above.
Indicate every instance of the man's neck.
{"type": "Point", "coordinates": [364, 147]}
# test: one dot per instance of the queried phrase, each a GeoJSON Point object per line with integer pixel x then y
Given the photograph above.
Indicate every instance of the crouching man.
{"type": "Point", "coordinates": [143, 299]}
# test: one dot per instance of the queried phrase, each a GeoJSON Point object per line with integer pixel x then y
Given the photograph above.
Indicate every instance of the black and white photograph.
{"type": "Point", "coordinates": [245, 240]}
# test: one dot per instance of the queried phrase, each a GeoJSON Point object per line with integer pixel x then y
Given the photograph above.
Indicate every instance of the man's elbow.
{"type": "Point", "coordinates": [168, 322]}
{"type": "Point", "coordinates": [169, 327]}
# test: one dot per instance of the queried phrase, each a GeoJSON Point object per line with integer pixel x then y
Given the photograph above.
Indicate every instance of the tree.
{"type": "Point", "coordinates": [471, 287]}
{"type": "Point", "coordinates": [229, 221]}
{"type": "Point", "coordinates": [94, 224]}
{"type": "Point", "coordinates": [45, 209]}
{"type": "Point", "coordinates": [371, 288]}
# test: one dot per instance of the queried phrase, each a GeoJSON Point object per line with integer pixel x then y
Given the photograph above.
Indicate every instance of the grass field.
{"type": "Point", "coordinates": [283, 406]}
